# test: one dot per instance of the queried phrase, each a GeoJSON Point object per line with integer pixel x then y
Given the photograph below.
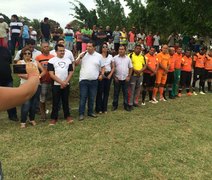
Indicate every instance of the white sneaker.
{"type": "Point", "coordinates": [154, 101]}
{"type": "Point", "coordinates": [194, 93]}
{"type": "Point", "coordinates": [162, 99]}
{"type": "Point", "coordinates": [143, 103]}
{"type": "Point", "coordinates": [201, 92]}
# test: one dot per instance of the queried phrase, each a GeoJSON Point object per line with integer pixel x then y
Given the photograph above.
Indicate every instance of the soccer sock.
{"type": "Point", "coordinates": [161, 89]}
{"type": "Point", "coordinates": [155, 90]}
{"type": "Point", "coordinates": [187, 90]}
{"type": "Point", "coordinates": [143, 95]}
{"type": "Point", "coordinates": [170, 91]}
{"type": "Point", "coordinates": [150, 95]}
{"type": "Point", "coordinates": [209, 86]}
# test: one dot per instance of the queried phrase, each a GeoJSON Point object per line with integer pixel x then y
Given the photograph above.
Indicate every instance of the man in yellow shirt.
{"type": "Point", "coordinates": [139, 65]}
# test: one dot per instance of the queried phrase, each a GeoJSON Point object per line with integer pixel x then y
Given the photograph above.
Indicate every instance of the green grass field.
{"type": "Point", "coordinates": [168, 140]}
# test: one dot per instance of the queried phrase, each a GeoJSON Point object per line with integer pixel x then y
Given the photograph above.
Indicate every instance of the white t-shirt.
{"type": "Point", "coordinates": [122, 65]}
{"type": "Point", "coordinates": [90, 66]}
{"type": "Point", "coordinates": [35, 53]}
{"type": "Point", "coordinates": [33, 35]}
{"type": "Point", "coordinates": [68, 54]}
{"type": "Point", "coordinates": [107, 62]}
{"type": "Point", "coordinates": [61, 67]}
{"type": "Point", "coordinates": [156, 40]}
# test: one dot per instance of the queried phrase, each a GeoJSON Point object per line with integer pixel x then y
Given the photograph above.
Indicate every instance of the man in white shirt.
{"type": "Point", "coordinates": [31, 44]}
{"type": "Point", "coordinates": [123, 72]}
{"type": "Point", "coordinates": [156, 42]}
{"type": "Point", "coordinates": [68, 54]}
{"type": "Point", "coordinates": [16, 29]}
{"type": "Point", "coordinates": [60, 70]}
{"type": "Point", "coordinates": [91, 66]}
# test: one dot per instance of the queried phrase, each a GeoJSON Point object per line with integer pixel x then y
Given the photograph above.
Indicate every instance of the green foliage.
{"type": "Point", "coordinates": [110, 13]}
{"type": "Point", "coordinates": [137, 16]}
{"type": "Point", "coordinates": [83, 14]}
{"type": "Point", "coordinates": [166, 16]}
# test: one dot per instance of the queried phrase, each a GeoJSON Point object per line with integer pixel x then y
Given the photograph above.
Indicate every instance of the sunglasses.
{"type": "Point", "coordinates": [27, 53]}
{"type": "Point", "coordinates": [104, 47]}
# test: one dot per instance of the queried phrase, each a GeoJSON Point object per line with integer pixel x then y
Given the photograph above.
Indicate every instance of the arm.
{"type": "Point", "coordinates": [11, 97]}
{"type": "Point", "coordinates": [112, 70]}
{"type": "Point", "coordinates": [70, 74]}
{"type": "Point", "coordinates": [40, 67]}
{"type": "Point", "coordinates": [129, 75]}
{"type": "Point", "coordinates": [55, 78]}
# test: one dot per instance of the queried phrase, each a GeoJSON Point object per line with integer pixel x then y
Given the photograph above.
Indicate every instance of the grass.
{"type": "Point", "coordinates": [170, 140]}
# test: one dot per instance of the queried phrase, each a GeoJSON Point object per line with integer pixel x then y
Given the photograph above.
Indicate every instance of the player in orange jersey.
{"type": "Point", "coordinates": [149, 74]}
{"type": "Point", "coordinates": [186, 71]}
{"type": "Point", "coordinates": [178, 57]}
{"type": "Point", "coordinates": [208, 69]}
{"type": "Point", "coordinates": [170, 75]}
{"type": "Point", "coordinates": [161, 75]}
{"type": "Point", "coordinates": [199, 71]}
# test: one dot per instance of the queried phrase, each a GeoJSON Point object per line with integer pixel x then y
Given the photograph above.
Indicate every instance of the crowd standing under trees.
{"type": "Point", "coordinates": [142, 48]}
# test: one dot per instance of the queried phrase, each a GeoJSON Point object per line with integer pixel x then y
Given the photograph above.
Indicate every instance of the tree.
{"type": "Point", "coordinates": [83, 14]}
{"type": "Point", "coordinates": [137, 16]}
{"type": "Point", "coordinates": [110, 12]}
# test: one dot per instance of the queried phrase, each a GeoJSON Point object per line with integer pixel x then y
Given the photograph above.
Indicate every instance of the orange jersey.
{"type": "Point", "coordinates": [43, 60]}
{"type": "Point", "coordinates": [200, 60]}
{"type": "Point", "coordinates": [178, 58]}
{"type": "Point", "coordinates": [151, 61]}
{"type": "Point", "coordinates": [186, 64]}
{"type": "Point", "coordinates": [171, 63]}
{"type": "Point", "coordinates": [163, 59]}
{"type": "Point", "coordinates": [208, 63]}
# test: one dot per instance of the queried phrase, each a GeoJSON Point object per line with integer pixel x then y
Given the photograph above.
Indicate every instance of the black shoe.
{"type": "Point", "coordinates": [92, 115]}
{"type": "Point", "coordinates": [136, 105]}
{"type": "Point", "coordinates": [114, 108]}
{"type": "Point", "coordinates": [81, 118]}
{"type": "Point", "coordinates": [171, 97]}
{"type": "Point", "coordinates": [127, 108]}
{"type": "Point", "coordinates": [13, 119]}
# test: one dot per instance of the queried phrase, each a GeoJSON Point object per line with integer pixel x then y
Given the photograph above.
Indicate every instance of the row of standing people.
{"type": "Point", "coordinates": [127, 71]}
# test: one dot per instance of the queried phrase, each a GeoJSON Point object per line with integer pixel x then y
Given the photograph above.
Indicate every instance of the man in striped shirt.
{"type": "Point", "coordinates": [16, 29]}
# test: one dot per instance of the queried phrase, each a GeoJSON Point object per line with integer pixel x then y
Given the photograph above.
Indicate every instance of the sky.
{"type": "Point", "coordinates": [58, 10]}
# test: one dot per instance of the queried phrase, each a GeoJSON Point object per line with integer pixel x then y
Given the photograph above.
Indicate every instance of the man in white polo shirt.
{"type": "Point", "coordinates": [60, 70]}
{"type": "Point", "coordinates": [123, 72]}
{"type": "Point", "coordinates": [91, 70]}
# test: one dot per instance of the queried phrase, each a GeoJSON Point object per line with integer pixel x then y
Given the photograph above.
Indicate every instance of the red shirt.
{"type": "Point", "coordinates": [149, 40]}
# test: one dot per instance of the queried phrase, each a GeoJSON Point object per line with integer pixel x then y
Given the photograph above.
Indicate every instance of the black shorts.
{"type": "Point", "coordinates": [185, 79]}
{"type": "Point", "coordinates": [148, 80]}
{"type": "Point", "coordinates": [208, 74]}
{"type": "Point", "coordinates": [199, 74]}
{"type": "Point", "coordinates": [170, 78]}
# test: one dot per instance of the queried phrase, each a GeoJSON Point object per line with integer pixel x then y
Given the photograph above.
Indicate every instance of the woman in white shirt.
{"type": "Point", "coordinates": [104, 84]}
{"type": "Point", "coordinates": [29, 107]}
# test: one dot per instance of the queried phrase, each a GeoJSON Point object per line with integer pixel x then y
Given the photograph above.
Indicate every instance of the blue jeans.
{"type": "Point", "coordinates": [29, 107]}
{"type": "Point", "coordinates": [88, 90]}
